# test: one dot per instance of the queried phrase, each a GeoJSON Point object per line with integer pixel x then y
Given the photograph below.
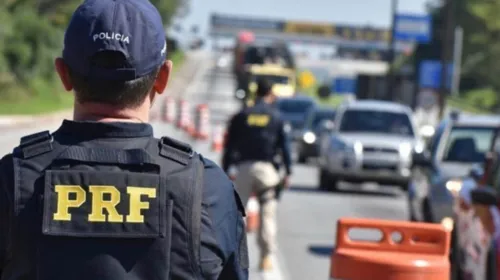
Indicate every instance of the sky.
{"type": "Point", "coordinates": [357, 12]}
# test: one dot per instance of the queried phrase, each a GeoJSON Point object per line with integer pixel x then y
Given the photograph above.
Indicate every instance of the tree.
{"type": "Point", "coordinates": [31, 35]}
{"type": "Point", "coordinates": [481, 48]}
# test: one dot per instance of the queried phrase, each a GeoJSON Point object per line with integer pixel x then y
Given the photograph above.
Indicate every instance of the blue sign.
{"type": "Point", "coordinates": [430, 74]}
{"type": "Point", "coordinates": [344, 85]}
{"type": "Point", "coordinates": [414, 28]}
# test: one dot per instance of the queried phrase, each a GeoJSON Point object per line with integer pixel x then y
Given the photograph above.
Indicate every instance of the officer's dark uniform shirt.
{"type": "Point", "coordinates": [223, 250]}
{"type": "Point", "coordinates": [257, 134]}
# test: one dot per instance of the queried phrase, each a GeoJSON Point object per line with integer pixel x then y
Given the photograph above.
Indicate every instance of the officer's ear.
{"type": "Point", "coordinates": [163, 76]}
{"type": "Point", "coordinates": [63, 72]}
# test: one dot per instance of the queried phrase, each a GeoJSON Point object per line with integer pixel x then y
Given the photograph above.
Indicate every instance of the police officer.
{"type": "Point", "coordinates": [257, 135]}
{"type": "Point", "coordinates": [101, 198]}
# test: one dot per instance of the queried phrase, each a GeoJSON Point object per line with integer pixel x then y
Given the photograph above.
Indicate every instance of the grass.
{"type": "Point", "coordinates": [38, 105]}
{"type": "Point", "coordinates": [50, 97]}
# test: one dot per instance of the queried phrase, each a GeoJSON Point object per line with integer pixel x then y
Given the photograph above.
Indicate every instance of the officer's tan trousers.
{"type": "Point", "coordinates": [261, 178]}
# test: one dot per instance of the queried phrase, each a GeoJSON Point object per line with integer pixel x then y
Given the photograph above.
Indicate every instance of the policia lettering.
{"type": "Point", "coordinates": [99, 203]}
{"type": "Point", "coordinates": [259, 120]}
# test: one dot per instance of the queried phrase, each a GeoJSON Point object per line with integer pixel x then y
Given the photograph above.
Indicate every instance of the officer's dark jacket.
{"type": "Point", "coordinates": [38, 240]}
{"type": "Point", "coordinates": [257, 134]}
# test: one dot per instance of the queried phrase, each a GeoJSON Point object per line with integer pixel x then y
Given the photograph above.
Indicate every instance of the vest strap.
{"type": "Point", "coordinates": [36, 144]}
{"type": "Point", "coordinates": [175, 150]}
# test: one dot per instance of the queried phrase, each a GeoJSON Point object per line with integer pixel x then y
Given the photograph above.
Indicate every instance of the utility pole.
{"type": "Point", "coordinates": [448, 15]}
{"type": "Point", "coordinates": [457, 60]}
{"type": "Point", "coordinates": [391, 54]}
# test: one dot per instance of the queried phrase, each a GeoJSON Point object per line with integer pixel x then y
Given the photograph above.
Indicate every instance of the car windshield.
{"type": "Point", "coordinates": [374, 121]}
{"type": "Point", "coordinates": [320, 116]}
{"type": "Point", "coordinates": [261, 54]}
{"type": "Point", "coordinates": [468, 144]}
{"type": "Point", "coordinates": [275, 79]}
{"type": "Point", "coordinates": [295, 106]}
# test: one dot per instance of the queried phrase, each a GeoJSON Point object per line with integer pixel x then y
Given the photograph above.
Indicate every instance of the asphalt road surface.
{"type": "Point", "coordinates": [307, 217]}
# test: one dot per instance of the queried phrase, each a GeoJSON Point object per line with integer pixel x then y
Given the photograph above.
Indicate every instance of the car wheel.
{"type": "Point", "coordinates": [491, 263]}
{"type": "Point", "coordinates": [326, 181]}
{"type": "Point", "coordinates": [412, 217]}
{"type": "Point", "coordinates": [302, 159]}
{"type": "Point", "coordinates": [427, 211]}
{"type": "Point", "coordinates": [455, 259]}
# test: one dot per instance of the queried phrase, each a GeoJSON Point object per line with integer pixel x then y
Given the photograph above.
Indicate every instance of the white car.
{"type": "Point", "coordinates": [373, 141]}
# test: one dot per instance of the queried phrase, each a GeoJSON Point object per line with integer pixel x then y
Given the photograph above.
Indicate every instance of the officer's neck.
{"type": "Point", "coordinates": [109, 113]}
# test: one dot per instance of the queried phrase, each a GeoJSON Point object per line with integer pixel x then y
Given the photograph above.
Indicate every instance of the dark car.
{"type": "Point", "coordinates": [294, 111]}
{"type": "Point", "coordinates": [319, 121]}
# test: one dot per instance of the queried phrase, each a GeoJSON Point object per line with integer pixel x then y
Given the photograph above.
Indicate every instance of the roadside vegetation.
{"type": "Point", "coordinates": [31, 36]}
{"type": "Point", "coordinates": [479, 86]}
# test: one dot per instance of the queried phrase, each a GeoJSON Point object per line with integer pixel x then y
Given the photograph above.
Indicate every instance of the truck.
{"type": "Point", "coordinates": [250, 55]}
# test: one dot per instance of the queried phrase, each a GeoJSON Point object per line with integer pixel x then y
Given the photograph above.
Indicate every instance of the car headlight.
{"type": "Point", "coordinates": [447, 223]}
{"type": "Point", "coordinates": [252, 87]}
{"type": "Point", "coordinates": [454, 186]}
{"type": "Point", "coordinates": [405, 149]}
{"type": "Point", "coordinates": [358, 147]}
{"type": "Point", "coordinates": [287, 128]}
{"type": "Point", "coordinates": [427, 131]}
{"type": "Point", "coordinates": [419, 147]}
{"type": "Point", "coordinates": [240, 94]}
{"type": "Point", "coordinates": [309, 137]}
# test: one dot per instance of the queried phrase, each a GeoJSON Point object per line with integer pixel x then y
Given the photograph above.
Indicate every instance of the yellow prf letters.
{"type": "Point", "coordinates": [258, 120]}
{"type": "Point", "coordinates": [100, 202]}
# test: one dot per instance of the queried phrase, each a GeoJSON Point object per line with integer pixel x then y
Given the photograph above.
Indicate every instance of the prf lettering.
{"type": "Point", "coordinates": [73, 196]}
{"type": "Point", "coordinates": [258, 120]}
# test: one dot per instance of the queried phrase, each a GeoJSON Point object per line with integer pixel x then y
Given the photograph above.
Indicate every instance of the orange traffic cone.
{"type": "Point", "coordinates": [252, 211]}
{"type": "Point", "coordinates": [218, 139]}
{"type": "Point", "coordinates": [202, 122]}
{"type": "Point", "coordinates": [182, 114]}
{"type": "Point", "coordinates": [168, 110]}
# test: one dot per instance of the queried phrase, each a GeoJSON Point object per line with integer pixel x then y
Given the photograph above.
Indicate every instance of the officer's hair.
{"type": "Point", "coordinates": [264, 87]}
{"type": "Point", "coordinates": [123, 94]}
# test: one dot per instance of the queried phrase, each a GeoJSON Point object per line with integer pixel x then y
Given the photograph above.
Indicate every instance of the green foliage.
{"type": "Point", "coordinates": [481, 46]}
{"type": "Point", "coordinates": [31, 36]}
{"type": "Point", "coordinates": [483, 99]}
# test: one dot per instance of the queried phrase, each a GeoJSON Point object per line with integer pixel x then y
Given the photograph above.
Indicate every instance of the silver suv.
{"type": "Point", "coordinates": [373, 141]}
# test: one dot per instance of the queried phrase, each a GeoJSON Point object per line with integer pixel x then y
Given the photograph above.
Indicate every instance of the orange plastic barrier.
{"type": "Point", "coordinates": [421, 254]}
{"type": "Point", "coordinates": [202, 122]}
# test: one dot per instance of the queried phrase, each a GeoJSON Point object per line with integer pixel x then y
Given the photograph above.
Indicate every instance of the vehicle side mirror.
{"type": "Point", "coordinates": [484, 196]}
{"type": "Point", "coordinates": [476, 172]}
{"type": "Point", "coordinates": [422, 159]}
{"type": "Point", "coordinates": [327, 126]}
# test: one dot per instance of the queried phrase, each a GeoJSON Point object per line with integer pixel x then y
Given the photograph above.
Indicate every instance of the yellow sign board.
{"type": "Point", "coordinates": [307, 79]}
{"type": "Point", "coordinates": [309, 28]}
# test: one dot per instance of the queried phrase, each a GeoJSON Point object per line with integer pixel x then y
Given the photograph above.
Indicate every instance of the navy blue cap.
{"type": "Point", "coordinates": [132, 27]}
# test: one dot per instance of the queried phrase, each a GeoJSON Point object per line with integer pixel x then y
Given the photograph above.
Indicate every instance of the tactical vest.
{"type": "Point", "coordinates": [106, 214]}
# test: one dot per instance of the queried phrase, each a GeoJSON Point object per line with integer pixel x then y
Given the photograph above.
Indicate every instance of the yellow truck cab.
{"type": "Point", "coordinates": [284, 79]}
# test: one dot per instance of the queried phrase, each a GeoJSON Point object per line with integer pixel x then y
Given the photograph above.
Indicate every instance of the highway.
{"type": "Point", "coordinates": [307, 217]}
